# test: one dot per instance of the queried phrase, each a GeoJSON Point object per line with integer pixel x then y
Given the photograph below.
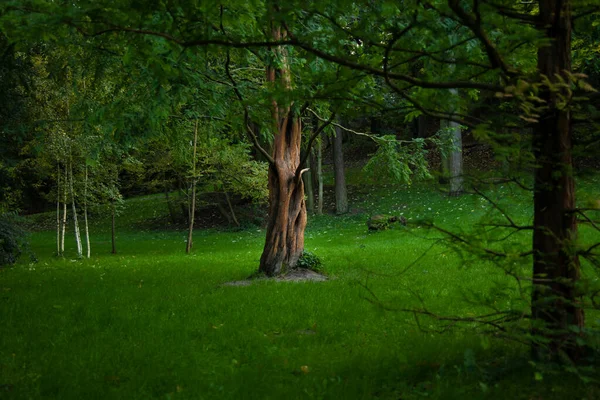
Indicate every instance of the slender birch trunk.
{"type": "Point", "coordinates": [75, 222]}
{"type": "Point", "coordinates": [85, 215]}
{"type": "Point", "coordinates": [64, 220]}
{"type": "Point", "coordinates": [192, 210]}
{"type": "Point", "coordinates": [58, 252]}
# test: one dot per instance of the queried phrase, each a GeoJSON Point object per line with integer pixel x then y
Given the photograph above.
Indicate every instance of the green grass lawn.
{"type": "Point", "coordinates": [152, 322]}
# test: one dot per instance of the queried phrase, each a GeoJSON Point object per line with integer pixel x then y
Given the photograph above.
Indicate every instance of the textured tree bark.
{"type": "Point", "coordinates": [287, 210]}
{"type": "Point", "coordinates": [556, 310]}
{"type": "Point", "coordinates": [284, 243]}
{"type": "Point", "coordinates": [341, 191]}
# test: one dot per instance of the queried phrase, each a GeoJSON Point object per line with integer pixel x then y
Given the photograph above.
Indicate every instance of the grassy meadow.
{"type": "Point", "coordinates": [153, 322]}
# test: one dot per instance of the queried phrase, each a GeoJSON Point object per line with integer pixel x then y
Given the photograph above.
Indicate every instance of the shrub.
{"type": "Point", "coordinates": [13, 238]}
{"type": "Point", "coordinates": [310, 261]}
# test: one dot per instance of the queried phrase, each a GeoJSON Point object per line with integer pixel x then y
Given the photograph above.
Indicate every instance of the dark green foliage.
{"type": "Point", "coordinates": [13, 238]}
{"type": "Point", "coordinates": [310, 261]}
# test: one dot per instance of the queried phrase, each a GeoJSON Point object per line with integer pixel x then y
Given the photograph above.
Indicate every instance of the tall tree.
{"type": "Point", "coordinates": [341, 191]}
{"type": "Point", "coordinates": [287, 209]}
{"type": "Point", "coordinates": [556, 267]}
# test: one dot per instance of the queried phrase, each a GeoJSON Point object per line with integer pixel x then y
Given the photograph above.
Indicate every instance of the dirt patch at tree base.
{"type": "Point", "coordinates": [295, 275]}
{"type": "Point", "coordinates": [302, 274]}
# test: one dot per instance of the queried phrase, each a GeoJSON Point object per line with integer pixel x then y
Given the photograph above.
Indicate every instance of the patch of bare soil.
{"type": "Point", "coordinates": [296, 275]}
{"type": "Point", "coordinates": [302, 274]}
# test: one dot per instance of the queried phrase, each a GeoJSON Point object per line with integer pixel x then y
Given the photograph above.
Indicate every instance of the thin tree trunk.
{"type": "Point", "coordinates": [75, 222]}
{"type": "Point", "coordinates": [192, 209]}
{"type": "Point", "coordinates": [307, 179]}
{"type": "Point", "coordinates": [58, 181]}
{"type": "Point", "coordinates": [64, 220]}
{"type": "Point", "coordinates": [284, 242]}
{"type": "Point", "coordinates": [112, 231]}
{"type": "Point", "coordinates": [85, 216]}
{"type": "Point", "coordinates": [233, 217]}
{"type": "Point", "coordinates": [455, 157]}
{"type": "Point", "coordinates": [320, 175]}
{"type": "Point", "coordinates": [341, 191]}
{"type": "Point", "coordinates": [557, 314]}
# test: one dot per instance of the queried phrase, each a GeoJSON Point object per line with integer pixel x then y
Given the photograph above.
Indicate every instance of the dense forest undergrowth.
{"type": "Point", "coordinates": [152, 322]}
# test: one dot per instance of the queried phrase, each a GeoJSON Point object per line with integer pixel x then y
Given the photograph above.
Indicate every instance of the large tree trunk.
{"type": "Point", "coordinates": [557, 315]}
{"type": "Point", "coordinates": [287, 210]}
{"type": "Point", "coordinates": [341, 191]}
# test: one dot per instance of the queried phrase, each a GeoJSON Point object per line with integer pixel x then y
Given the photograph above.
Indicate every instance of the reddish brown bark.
{"type": "Point", "coordinates": [287, 210]}
{"type": "Point", "coordinates": [556, 308]}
